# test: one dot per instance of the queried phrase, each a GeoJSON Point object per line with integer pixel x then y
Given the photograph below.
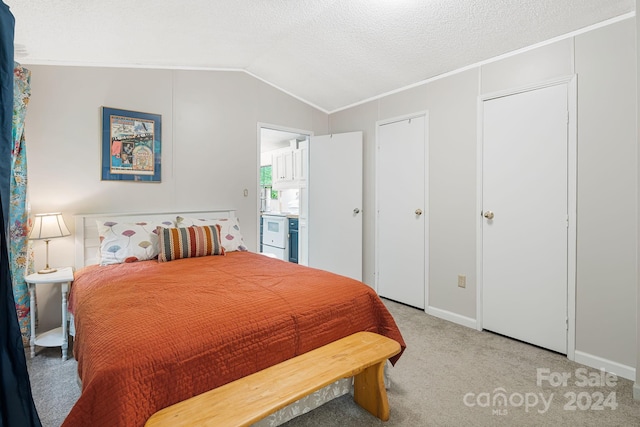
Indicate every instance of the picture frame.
{"type": "Point", "coordinates": [131, 145]}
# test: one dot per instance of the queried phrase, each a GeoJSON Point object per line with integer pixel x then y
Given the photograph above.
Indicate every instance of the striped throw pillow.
{"type": "Point", "coordinates": [189, 242]}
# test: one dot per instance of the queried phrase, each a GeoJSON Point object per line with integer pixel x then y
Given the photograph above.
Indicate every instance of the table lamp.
{"type": "Point", "coordinates": [48, 226]}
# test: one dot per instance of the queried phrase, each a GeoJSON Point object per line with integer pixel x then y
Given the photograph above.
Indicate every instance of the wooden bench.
{"type": "Point", "coordinates": [251, 398]}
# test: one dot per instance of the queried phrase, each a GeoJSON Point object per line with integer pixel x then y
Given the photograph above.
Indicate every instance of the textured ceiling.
{"type": "Point", "coordinates": [329, 53]}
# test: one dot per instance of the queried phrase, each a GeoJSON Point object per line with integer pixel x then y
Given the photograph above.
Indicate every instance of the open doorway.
{"type": "Point", "coordinates": [282, 193]}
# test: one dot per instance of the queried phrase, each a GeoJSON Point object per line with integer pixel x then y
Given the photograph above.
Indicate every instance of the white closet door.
{"type": "Point", "coordinates": [402, 211]}
{"type": "Point", "coordinates": [335, 203]}
{"type": "Point", "coordinates": [525, 205]}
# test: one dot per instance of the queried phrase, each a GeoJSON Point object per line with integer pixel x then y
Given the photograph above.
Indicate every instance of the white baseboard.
{"type": "Point", "coordinates": [590, 360]}
{"type": "Point", "coordinates": [452, 317]}
{"type": "Point", "coordinates": [619, 369]}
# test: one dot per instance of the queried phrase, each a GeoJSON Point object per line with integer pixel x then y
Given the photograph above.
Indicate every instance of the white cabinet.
{"type": "Point", "coordinates": [277, 168]}
{"type": "Point", "coordinates": [282, 167]}
{"type": "Point", "coordinates": [300, 163]}
{"type": "Point", "coordinates": [289, 167]}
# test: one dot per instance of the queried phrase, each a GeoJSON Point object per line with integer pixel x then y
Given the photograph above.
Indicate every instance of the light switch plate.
{"type": "Point", "coordinates": [462, 281]}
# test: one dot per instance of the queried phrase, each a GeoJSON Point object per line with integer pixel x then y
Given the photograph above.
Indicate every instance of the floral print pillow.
{"type": "Point", "coordinates": [230, 231]}
{"type": "Point", "coordinates": [128, 242]}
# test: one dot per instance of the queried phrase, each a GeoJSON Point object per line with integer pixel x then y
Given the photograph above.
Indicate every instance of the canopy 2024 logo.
{"type": "Point", "coordinates": [500, 400]}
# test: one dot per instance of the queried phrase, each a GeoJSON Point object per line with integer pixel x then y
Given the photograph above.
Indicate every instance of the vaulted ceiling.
{"type": "Point", "coordinates": [328, 53]}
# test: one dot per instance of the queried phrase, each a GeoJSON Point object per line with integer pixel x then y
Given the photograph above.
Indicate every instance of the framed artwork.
{"type": "Point", "coordinates": [131, 145]}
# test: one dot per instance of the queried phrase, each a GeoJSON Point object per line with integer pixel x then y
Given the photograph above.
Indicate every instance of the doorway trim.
{"type": "Point", "coordinates": [572, 160]}
{"type": "Point", "coordinates": [427, 214]}
{"type": "Point", "coordinates": [260, 126]}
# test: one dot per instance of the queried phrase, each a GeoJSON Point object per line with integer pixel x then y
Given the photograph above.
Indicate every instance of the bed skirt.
{"type": "Point", "coordinates": [315, 400]}
{"type": "Point", "coordinates": [307, 403]}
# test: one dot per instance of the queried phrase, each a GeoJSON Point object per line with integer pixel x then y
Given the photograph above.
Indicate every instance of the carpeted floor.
{"type": "Point", "coordinates": [449, 375]}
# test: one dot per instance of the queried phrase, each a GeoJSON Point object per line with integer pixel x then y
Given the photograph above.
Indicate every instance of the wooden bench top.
{"type": "Point", "coordinates": [251, 398]}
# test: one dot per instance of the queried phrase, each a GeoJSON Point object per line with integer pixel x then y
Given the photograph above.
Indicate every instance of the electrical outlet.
{"type": "Point", "coordinates": [462, 281]}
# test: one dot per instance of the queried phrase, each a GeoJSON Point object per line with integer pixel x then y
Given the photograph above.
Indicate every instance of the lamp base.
{"type": "Point", "coordinates": [47, 270]}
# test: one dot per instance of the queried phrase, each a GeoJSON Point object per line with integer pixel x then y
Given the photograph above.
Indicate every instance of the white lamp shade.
{"type": "Point", "coordinates": [48, 226]}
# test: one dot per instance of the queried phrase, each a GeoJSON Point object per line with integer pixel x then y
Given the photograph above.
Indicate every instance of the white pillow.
{"type": "Point", "coordinates": [229, 231]}
{"type": "Point", "coordinates": [128, 242]}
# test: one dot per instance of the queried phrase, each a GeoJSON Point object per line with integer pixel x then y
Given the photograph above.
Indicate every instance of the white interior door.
{"type": "Point", "coordinates": [335, 204]}
{"type": "Point", "coordinates": [401, 241]}
{"type": "Point", "coordinates": [525, 216]}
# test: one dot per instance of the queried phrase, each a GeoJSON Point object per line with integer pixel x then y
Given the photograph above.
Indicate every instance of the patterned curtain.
{"type": "Point", "coordinates": [20, 254]}
{"type": "Point", "coordinates": [16, 401]}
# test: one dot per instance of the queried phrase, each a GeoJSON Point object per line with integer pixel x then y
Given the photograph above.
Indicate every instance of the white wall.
{"type": "Point", "coordinates": [452, 167]}
{"type": "Point", "coordinates": [604, 60]}
{"type": "Point", "coordinates": [607, 193]}
{"type": "Point", "coordinates": [209, 145]}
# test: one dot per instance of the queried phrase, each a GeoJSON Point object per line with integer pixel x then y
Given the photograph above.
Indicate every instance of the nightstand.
{"type": "Point", "coordinates": [57, 337]}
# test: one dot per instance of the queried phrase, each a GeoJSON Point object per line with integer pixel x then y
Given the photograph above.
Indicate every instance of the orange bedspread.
{"type": "Point", "coordinates": [151, 334]}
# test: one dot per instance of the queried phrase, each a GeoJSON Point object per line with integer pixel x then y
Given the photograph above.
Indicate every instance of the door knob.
{"type": "Point", "coordinates": [418, 212]}
{"type": "Point", "coordinates": [356, 211]}
{"type": "Point", "coordinates": [488, 215]}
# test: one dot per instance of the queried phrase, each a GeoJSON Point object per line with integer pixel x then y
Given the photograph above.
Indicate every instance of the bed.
{"type": "Point", "coordinates": [151, 333]}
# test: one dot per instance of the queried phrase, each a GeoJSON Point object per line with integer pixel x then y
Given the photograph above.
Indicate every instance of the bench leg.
{"type": "Point", "coordinates": [369, 391]}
